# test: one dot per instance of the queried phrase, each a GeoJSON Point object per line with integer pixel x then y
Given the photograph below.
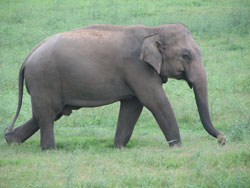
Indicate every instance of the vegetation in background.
{"type": "Point", "coordinates": [85, 155]}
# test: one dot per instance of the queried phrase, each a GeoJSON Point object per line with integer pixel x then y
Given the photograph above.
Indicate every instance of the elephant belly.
{"type": "Point", "coordinates": [84, 94]}
{"type": "Point", "coordinates": [89, 103]}
{"type": "Point", "coordinates": [94, 100]}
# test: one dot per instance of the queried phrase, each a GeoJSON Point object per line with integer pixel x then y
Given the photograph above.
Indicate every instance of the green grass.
{"type": "Point", "coordinates": [85, 155]}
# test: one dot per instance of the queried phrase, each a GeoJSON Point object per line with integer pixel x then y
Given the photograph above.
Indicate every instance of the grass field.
{"type": "Point", "coordinates": [85, 155]}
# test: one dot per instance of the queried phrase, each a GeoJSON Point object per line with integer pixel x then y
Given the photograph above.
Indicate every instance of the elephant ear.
{"type": "Point", "coordinates": [151, 51]}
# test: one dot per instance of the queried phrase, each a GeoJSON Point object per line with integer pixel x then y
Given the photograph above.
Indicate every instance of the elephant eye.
{"type": "Point", "coordinates": [186, 56]}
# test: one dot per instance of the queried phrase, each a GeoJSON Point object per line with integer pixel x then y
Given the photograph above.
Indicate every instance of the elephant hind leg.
{"type": "Point", "coordinates": [130, 110]}
{"type": "Point", "coordinates": [46, 110]}
{"type": "Point", "coordinates": [23, 132]}
{"type": "Point", "coordinates": [47, 138]}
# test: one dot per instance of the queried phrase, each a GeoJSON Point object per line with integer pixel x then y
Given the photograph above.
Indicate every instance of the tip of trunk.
{"type": "Point", "coordinates": [221, 139]}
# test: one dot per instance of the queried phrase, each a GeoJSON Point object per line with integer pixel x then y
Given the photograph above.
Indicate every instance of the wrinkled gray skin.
{"type": "Point", "coordinates": [103, 64]}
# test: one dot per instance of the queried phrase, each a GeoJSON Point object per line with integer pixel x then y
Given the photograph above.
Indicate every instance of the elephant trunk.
{"type": "Point", "coordinates": [201, 97]}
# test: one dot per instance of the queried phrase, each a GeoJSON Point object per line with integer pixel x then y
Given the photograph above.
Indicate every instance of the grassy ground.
{"type": "Point", "coordinates": [85, 155]}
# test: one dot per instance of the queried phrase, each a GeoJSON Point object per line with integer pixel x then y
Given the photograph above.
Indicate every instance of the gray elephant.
{"type": "Point", "coordinates": [103, 64]}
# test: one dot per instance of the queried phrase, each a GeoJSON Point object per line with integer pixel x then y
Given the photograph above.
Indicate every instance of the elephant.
{"type": "Point", "coordinates": [101, 64]}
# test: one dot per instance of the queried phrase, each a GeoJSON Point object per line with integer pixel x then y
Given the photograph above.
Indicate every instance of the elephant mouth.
{"type": "Point", "coordinates": [164, 79]}
{"type": "Point", "coordinates": [190, 84]}
{"type": "Point", "coordinates": [184, 77]}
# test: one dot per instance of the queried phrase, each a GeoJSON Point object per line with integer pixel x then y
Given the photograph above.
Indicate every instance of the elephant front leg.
{"type": "Point", "coordinates": [157, 102]}
{"type": "Point", "coordinates": [130, 111]}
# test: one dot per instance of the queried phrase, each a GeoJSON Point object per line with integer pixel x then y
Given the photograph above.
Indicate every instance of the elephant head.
{"type": "Point", "coordinates": [173, 53]}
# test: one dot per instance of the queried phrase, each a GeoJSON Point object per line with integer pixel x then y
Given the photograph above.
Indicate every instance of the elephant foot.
{"type": "Point", "coordinates": [22, 133]}
{"type": "Point", "coordinates": [221, 139]}
{"type": "Point", "coordinates": [11, 137]}
{"type": "Point", "coordinates": [122, 141]}
{"type": "Point", "coordinates": [48, 144]}
{"type": "Point", "coordinates": [50, 147]}
{"type": "Point", "coordinates": [119, 145]}
{"type": "Point", "coordinates": [174, 143]}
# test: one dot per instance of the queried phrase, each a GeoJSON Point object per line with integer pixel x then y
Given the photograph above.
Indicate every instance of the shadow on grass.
{"type": "Point", "coordinates": [85, 143]}
{"type": "Point", "coordinates": [94, 144]}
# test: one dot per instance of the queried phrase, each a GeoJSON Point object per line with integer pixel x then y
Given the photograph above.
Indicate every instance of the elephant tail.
{"type": "Point", "coordinates": [20, 97]}
{"type": "Point", "coordinates": [20, 86]}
